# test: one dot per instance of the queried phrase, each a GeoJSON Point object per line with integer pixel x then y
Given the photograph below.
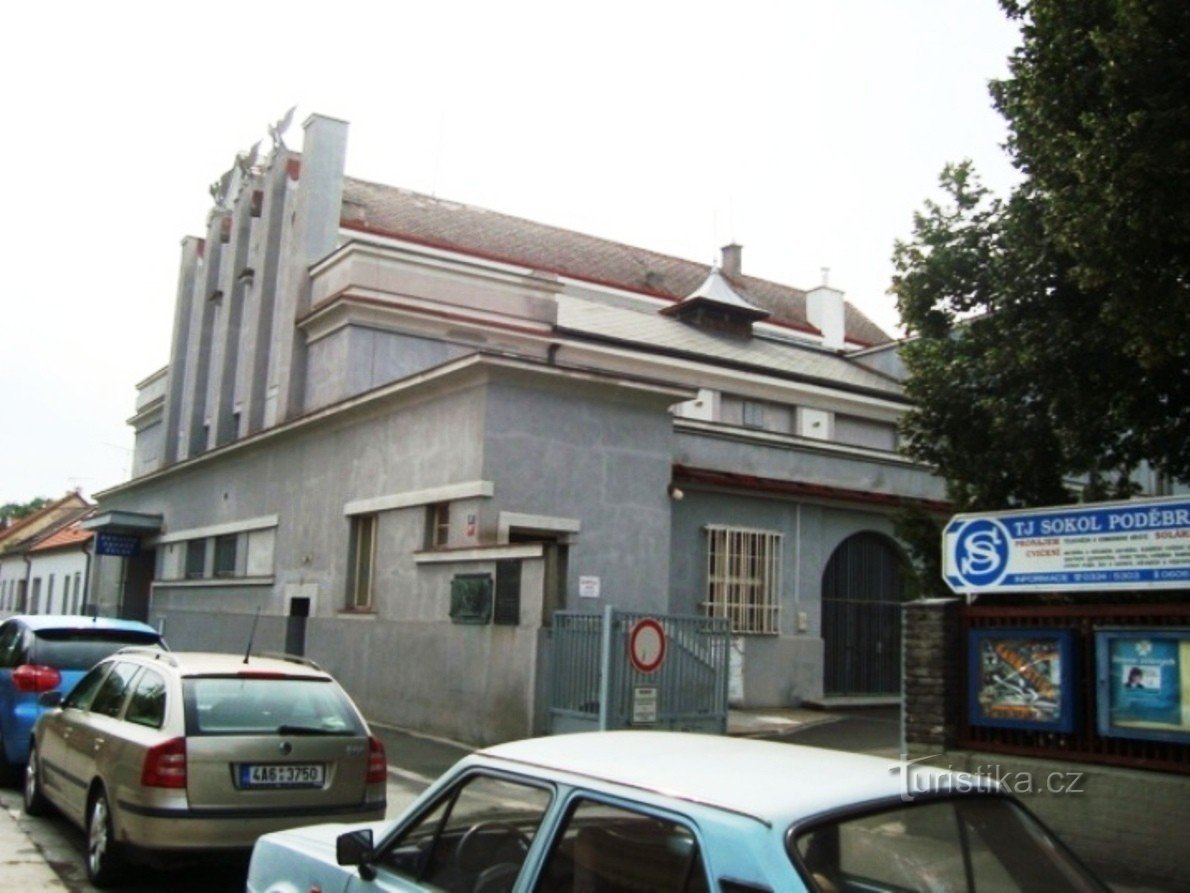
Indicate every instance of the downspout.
{"type": "Point", "coordinates": [87, 553]}
{"type": "Point", "coordinates": [28, 583]}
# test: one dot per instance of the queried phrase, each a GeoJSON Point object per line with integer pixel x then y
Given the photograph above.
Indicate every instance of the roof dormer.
{"type": "Point", "coordinates": [716, 305]}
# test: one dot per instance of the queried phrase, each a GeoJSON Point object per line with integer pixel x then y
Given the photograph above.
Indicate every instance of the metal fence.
{"type": "Point", "coordinates": [596, 686]}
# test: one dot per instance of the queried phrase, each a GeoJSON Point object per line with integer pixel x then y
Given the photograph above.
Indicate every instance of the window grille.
{"type": "Point", "coordinates": [744, 578]}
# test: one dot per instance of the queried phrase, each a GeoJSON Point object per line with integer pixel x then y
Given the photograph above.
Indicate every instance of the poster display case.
{"type": "Point", "coordinates": [1143, 688]}
{"type": "Point", "coordinates": [1022, 679]}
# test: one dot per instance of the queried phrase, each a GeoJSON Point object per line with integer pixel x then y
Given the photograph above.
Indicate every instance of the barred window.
{"type": "Point", "coordinates": [743, 577]}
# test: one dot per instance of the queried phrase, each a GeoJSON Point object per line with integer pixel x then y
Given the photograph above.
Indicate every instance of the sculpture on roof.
{"type": "Point", "coordinates": [277, 131]}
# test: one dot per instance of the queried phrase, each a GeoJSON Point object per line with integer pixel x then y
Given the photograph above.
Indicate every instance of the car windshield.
{"type": "Point", "coordinates": [81, 649]}
{"type": "Point", "coordinates": [960, 844]}
{"type": "Point", "coordinates": [249, 705]}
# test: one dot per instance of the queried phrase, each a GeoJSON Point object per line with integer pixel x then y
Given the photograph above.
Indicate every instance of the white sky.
{"type": "Point", "coordinates": [807, 131]}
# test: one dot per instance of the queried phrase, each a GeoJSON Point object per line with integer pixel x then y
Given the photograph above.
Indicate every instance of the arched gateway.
{"type": "Point", "coordinates": [862, 592]}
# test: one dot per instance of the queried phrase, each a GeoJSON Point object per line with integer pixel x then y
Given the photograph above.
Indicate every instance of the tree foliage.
{"type": "Point", "coordinates": [14, 511]}
{"type": "Point", "coordinates": [1051, 329]}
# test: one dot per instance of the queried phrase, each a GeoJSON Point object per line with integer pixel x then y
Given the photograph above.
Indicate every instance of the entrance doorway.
{"type": "Point", "coordinates": [862, 592]}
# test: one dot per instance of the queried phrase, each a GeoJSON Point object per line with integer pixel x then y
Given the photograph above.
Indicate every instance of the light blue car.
{"type": "Point", "coordinates": [624, 812]}
{"type": "Point", "coordinates": [51, 652]}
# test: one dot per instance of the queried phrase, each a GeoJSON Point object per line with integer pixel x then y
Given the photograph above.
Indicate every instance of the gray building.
{"type": "Point", "coordinates": [397, 433]}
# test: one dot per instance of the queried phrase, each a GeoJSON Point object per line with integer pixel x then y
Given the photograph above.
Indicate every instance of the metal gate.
{"type": "Point", "coordinates": [862, 595]}
{"type": "Point", "coordinates": [594, 684]}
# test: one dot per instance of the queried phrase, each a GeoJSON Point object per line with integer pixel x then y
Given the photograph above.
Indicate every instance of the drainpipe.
{"type": "Point", "coordinates": [28, 583]}
{"type": "Point", "coordinates": [88, 552]}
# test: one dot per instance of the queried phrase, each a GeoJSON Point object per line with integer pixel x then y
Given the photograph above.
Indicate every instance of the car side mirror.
{"type": "Point", "coordinates": [354, 848]}
{"type": "Point", "coordinates": [50, 699]}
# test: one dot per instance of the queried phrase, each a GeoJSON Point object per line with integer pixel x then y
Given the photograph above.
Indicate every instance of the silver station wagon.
{"type": "Point", "coordinates": [654, 811]}
{"type": "Point", "coordinates": [161, 754]}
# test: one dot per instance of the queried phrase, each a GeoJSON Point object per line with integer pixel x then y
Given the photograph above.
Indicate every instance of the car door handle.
{"type": "Point", "coordinates": [98, 743]}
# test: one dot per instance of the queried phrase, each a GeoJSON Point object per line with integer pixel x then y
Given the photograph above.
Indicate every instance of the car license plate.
{"type": "Point", "coordinates": [282, 775]}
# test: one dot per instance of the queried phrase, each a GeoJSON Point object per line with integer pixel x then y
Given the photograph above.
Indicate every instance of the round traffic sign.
{"type": "Point", "coordinates": [646, 645]}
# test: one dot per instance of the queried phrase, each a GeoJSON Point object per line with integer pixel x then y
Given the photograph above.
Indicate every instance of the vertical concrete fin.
{"type": "Point", "coordinates": [179, 358]}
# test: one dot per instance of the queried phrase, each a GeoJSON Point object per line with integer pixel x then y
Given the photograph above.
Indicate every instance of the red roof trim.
{"type": "Point", "coordinates": [683, 474]}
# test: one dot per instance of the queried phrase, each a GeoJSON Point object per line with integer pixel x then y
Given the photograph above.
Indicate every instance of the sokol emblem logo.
{"type": "Point", "coordinates": [981, 552]}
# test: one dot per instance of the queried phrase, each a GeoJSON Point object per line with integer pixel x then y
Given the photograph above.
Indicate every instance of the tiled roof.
{"type": "Point", "coordinates": [434, 222]}
{"type": "Point", "coordinates": [54, 515]}
{"type": "Point", "coordinates": [72, 535]}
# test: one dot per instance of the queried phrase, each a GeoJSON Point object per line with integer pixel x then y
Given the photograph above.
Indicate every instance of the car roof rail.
{"type": "Point", "coordinates": [291, 658]}
{"type": "Point", "coordinates": [147, 651]}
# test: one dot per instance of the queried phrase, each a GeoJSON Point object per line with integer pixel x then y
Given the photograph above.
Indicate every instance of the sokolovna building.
{"type": "Point", "coordinates": [374, 394]}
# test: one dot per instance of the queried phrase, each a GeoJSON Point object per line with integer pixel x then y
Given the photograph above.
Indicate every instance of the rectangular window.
{"type": "Point", "coordinates": [362, 563]}
{"type": "Point", "coordinates": [225, 555]}
{"type": "Point", "coordinates": [753, 414]}
{"type": "Point", "coordinates": [437, 525]}
{"type": "Point", "coordinates": [196, 559]}
{"type": "Point", "coordinates": [744, 577]}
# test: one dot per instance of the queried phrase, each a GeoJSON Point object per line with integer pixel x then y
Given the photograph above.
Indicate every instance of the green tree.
{"type": "Point", "coordinates": [14, 511]}
{"type": "Point", "coordinates": [1051, 329]}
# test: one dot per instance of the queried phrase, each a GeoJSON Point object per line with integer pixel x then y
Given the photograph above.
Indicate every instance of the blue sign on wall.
{"type": "Point", "coordinates": [122, 544]}
{"type": "Point", "coordinates": [1139, 544]}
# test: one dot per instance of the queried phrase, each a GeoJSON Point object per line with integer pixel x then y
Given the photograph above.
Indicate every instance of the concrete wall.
{"type": "Point", "coordinates": [830, 466]}
{"type": "Point", "coordinates": [355, 359]}
{"type": "Point", "coordinates": [586, 454]}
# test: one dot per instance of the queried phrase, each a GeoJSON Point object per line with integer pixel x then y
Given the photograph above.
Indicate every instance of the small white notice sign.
{"type": "Point", "coordinates": [644, 705]}
{"type": "Point", "coordinates": [588, 587]}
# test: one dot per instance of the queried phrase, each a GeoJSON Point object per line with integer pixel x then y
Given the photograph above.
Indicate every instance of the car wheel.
{"type": "Point", "coordinates": [35, 801]}
{"type": "Point", "coordinates": [104, 859]}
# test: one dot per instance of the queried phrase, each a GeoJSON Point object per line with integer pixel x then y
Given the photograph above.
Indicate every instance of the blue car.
{"type": "Point", "coordinates": [51, 652]}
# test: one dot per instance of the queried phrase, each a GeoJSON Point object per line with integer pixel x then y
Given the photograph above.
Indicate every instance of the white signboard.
{"type": "Point", "coordinates": [644, 705]}
{"type": "Point", "coordinates": [1139, 544]}
{"type": "Point", "coordinates": [588, 587]}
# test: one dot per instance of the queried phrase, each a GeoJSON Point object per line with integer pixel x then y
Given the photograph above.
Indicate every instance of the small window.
{"type": "Point", "coordinates": [196, 559]}
{"type": "Point", "coordinates": [754, 415]}
{"type": "Point", "coordinates": [477, 836]}
{"type": "Point", "coordinates": [362, 563]}
{"type": "Point", "coordinates": [437, 525]}
{"type": "Point", "coordinates": [225, 555]}
{"type": "Point", "coordinates": [146, 707]}
{"type": "Point", "coordinates": [602, 847]}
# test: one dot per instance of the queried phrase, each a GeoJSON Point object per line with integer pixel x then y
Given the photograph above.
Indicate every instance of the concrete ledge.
{"type": "Point", "coordinates": [843, 702]}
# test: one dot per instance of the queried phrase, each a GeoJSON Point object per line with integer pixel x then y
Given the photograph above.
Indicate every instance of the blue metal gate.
{"type": "Point", "coordinates": [594, 684]}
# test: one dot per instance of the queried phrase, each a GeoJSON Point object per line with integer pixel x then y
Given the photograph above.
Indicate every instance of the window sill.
{"type": "Point", "coordinates": [213, 582]}
{"type": "Point", "coordinates": [479, 553]}
{"type": "Point", "coordinates": [357, 614]}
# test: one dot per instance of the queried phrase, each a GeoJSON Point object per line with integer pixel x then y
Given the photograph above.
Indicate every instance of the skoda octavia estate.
{"type": "Point", "coordinates": [157, 754]}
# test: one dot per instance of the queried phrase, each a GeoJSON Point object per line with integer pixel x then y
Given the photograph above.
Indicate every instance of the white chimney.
{"type": "Point", "coordinates": [824, 310]}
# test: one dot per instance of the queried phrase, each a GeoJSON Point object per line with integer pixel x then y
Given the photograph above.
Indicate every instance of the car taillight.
{"type": "Point", "coordinates": [377, 762]}
{"type": "Point", "coordinates": [165, 765]}
{"type": "Point", "coordinates": [34, 678]}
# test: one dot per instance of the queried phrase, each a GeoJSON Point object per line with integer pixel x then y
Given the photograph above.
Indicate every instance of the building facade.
{"type": "Point", "coordinates": [397, 434]}
{"type": "Point", "coordinates": [45, 560]}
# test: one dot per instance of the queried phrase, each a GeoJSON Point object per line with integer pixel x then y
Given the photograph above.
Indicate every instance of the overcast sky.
{"type": "Point", "coordinates": [809, 132]}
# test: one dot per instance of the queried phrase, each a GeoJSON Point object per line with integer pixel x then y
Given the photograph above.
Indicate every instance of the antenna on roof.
{"type": "Point", "coordinates": [251, 635]}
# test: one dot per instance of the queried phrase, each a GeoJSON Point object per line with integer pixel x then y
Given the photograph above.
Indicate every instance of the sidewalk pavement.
{"type": "Point", "coordinates": [22, 864]}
